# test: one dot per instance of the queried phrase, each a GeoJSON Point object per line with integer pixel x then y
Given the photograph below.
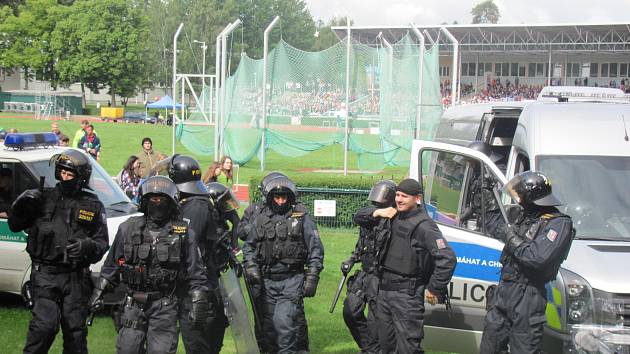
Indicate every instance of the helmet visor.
{"type": "Point", "coordinates": [382, 194]}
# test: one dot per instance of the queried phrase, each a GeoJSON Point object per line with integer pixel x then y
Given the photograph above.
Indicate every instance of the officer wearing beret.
{"type": "Point", "coordinates": [415, 263]}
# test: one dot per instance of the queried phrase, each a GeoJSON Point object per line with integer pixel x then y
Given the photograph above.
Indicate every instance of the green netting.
{"type": "Point", "coordinates": [306, 109]}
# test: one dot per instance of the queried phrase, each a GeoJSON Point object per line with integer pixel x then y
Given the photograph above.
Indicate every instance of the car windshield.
{"type": "Point", "coordinates": [101, 183]}
{"type": "Point", "coordinates": [594, 192]}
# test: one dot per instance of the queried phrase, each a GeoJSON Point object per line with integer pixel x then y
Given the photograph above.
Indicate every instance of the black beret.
{"type": "Point", "coordinates": [409, 186]}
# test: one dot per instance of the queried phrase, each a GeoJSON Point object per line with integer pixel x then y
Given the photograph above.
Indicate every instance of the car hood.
{"type": "Point", "coordinates": [603, 264]}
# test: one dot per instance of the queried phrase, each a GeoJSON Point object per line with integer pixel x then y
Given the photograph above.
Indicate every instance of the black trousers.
{"type": "Point", "coordinates": [60, 300]}
{"type": "Point", "coordinates": [206, 340]}
{"type": "Point", "coordinates": [400, 320]}
{"type": "Point", "coordinates": [362, 292]}
{"type": "Point", "coordinates": [150, 328]}
{"type": "Point", "coordinates": [517, 317]}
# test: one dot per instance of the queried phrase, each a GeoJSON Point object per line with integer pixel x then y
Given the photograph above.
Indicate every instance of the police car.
{"type": "Point", "coordinates": [25, 158]}
{"type": "Point", "coordinates": [579, 138]}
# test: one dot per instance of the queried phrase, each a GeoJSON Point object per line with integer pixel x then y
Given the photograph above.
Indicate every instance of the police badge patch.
{"type": "Point", "coordinates": [551, 235]}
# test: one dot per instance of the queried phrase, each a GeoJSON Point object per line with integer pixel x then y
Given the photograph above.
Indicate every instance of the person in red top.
{"type": "Point", "coordinates": [91, 143]}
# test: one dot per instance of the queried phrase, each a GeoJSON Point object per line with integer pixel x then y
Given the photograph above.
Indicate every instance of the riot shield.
{"type": "Point", "coordinates": [236, 312]}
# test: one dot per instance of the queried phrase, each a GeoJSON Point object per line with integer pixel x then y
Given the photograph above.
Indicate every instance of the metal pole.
{"type": "Point", "coordinates": [224, 70]}
{"type": "Point", "coordinates": [549, 68]}
{"type": "Point", "coordinates": [477, 76]}
{"type": "Point", "coordinates": [415, 30]}
{"type": "Point", "coordinates": [175, 83]}
{"type": "Point", "coordinates": [264, 92]}
{"type": "Point", "coordinates": [454, 83]}
{"type": "Point", "coordinates": [346, 131]}
{"type": "Point", "coordinates": [217, 79]}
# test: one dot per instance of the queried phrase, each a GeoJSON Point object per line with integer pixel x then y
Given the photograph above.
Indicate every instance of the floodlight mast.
{"type": "Point", "coordinates": [346, 131]}
{"type": "Point", "coordinates": [224, 70]}
{"type": "Point", "coordinates": [454, 81]}
{"type": "Point", "coordinates": [264, 91]}
{"type": "Point", "coordinates": [203, 74]}
{"type": "Point", "coordinates": [218, 84]}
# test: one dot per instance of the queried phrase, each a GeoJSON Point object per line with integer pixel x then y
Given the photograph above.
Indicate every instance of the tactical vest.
{"type": "Point", "coordinates": [400, 258]}
{"type": "Point", "coordinates": [366, 249]}
{"type": "Point", "coordinates": [529, 229]}
{"type": "Point", "coordinates": [62, 220]}
{"type": "Point", "coordinates": [281, 239]}
{"type": "Point", "coordinates": [152, 258]}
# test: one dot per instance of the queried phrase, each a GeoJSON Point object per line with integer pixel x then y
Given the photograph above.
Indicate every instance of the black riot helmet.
{"type": "Point", "coordinates": [383, 193]}
{"type": "Point", "coordinates": [74, 161]}
{"type": "Point", "coordinates": [485, 149]}
{"type": "Point", "coordinates": [267, 178]}
{"type": "Point", "coordinates": [222, 197]}
{"type": "Point", "coordinates": [159, 186]}
{"type": "Point", "coordinates": [531, 187]}
{"type": "Point", "coordinates": [280, 185]}
{"type": "Point", "coordinates": [186, 174]}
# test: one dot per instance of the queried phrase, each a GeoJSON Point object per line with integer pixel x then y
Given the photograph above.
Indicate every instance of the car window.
{"type": "Point", "coordinates": [458, 191]}
{"type": "Point", "coordinates": [14, 179]}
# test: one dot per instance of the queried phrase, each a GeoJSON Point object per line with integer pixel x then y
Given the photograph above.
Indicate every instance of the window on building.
{"type": "Point", "coordinates": [464, 69]}
{"type": "Point", "coordinates": [594, 69]}
{"type": "Point", "coordinates": [505, 69]}
{"type": "Point", "coordinates": [472, 69]}
{"type": "Point", "coordinates": [445, 71]}
{"type": "Point", "coordinates": [623, 70]}
{"type": "Point", "coordinates": [514, 69]}
{"type": "Point", "coordinates": [613, 70]}
{"type": "Point", "coordinates": [521, 70]}
{"type": "Point", "coordinates": [497, 69]}
{"type": "Point", "coordinates": [604, 71]}
{"type": "Point", "coordinates": [540, 69]}
{"type": "Point", "coordinates": [531, 69]}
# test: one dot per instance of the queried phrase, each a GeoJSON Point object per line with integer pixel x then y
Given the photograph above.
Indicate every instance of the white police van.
{"type": "Point", "coordinates": [21, 165]}
{"type": "Point", "coordinates": [578, 137]}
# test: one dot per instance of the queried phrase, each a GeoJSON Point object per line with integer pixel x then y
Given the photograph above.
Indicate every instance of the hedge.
{"type": "Point", "coordinates": [349, 192]}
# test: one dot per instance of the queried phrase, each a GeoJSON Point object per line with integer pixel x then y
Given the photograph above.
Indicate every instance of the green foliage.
{"type": "Point", "coordinates": [485, 12]}
{"type": "Point", "coordinates": [103, 43]}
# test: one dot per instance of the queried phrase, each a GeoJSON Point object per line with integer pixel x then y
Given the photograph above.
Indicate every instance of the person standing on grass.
{"type": "Point", "coordinates": [226, 171]}
{"type": "Point", "coordinates": [148, 157]}
{"type": "Point", "coordinates": [67, 232]}
{"type": "Point", "coordinates": [91, 143]}
{"type": "Point", "coordinates": [80, 133]}
{"type": "Point", "coordinates": [212, 173]}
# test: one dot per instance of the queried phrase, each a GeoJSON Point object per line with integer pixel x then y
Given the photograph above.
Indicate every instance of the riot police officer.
{"type": "Point", "coordinates": [150, 253]}
{"type": "Point", "coordinates": [67, 231]}
{"type": "Point", "coordinates": [196, 209]}
{"type": "Point", "coordinates": [415, 263]}
{"type": "Point", "coordinates": [537, 241]}
{"type": "Point", "coordinates": [244, 226]}
{"type": "Point", "coordinates": [363, 285]}
{"type": "Point", "coordinates": [225, 206]}
{"type": "Point", "coordinates": [283, 258]}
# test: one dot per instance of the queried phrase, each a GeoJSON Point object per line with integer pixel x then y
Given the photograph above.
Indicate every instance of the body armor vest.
{"type": "Point", "coordinates": [63, 218]}
{"type": "Point", "coordinates": [280, 239]}
{"type": "Point", "coordinates": [366, 249]}
{"type": "Point", "coordinates": [153, 257]}
{"type": "Point", "coordinates": [400, 258]}
{"type": "Point", "coordinates": [529, 229]}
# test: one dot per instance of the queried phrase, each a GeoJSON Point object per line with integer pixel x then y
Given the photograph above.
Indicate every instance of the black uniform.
{"type": "Point", "coordinates": [281, 246]}
{"type": "Point", "coordinates": [363, 285]}
{"type": "Point", "coordinates": [150, 259]}
{"type": "Point", "coordinates": [60, 284]}
{"type": "Point", "coordinates": [416, 257]}
{"type": "Point", "coordinates": [484, 208]}
{"type": "Point", "coordinates": [198, 212]}
{"type": "Point", "coordinates": [244, 227]}
{"type": "Point", "coordinates": [517, 311]}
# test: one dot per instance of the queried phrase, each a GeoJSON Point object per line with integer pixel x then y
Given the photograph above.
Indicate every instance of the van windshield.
{"type": "Point", "coordinates": [594, 190]}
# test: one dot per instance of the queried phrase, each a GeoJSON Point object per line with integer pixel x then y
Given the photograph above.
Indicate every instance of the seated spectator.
{"type": "Point", "coordinates": [64, 141]}
{"type": "Point", "coordinates": [90, 143]}
{"type": "Point", "coordinates": [128, 178]}
{"type": "Point", "coordinates": [212, 173]}
{"type": "Point", "coordinates": [148, 158]}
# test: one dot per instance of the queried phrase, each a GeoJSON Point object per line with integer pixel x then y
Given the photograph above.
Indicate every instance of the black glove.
{"type": "Point", "coordinates": [28, 203]}
{"type": "Point", "coordinates": [199, 311]}
{"type": "Point", "coordinates": [79, 249]}
{"type": "Point", "coordinates": [310, 284]}
{"type": "Point", "coordinates": [95, 301]}
{"type": "Point", "coordinates": [512, 239]}
{"type": "Point", "coordinates": [346, 266]}
{"type": "Point", "coordinates": [254, 279]}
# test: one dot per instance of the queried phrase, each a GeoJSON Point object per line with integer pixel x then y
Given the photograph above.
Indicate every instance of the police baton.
{"type": "Point", "coordinates": [339, 288]}
{"type": "Point", "coordinates": [90, 318]}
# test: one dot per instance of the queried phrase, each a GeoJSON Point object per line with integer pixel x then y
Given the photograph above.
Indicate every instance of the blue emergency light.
{"type": "Point", "coordinates": [19, 141]}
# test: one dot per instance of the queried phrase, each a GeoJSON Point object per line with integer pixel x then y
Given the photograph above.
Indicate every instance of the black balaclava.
{"type": "Point", "coordinates": [70, 186]}
{"type": "Point", "coordinates": [159, 213]}
{"type": "Point", "coordinates": [280, 209]}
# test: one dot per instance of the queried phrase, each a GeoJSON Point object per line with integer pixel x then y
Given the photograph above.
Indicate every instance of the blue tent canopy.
{"type": "Point", "coordinates": [164, 102]}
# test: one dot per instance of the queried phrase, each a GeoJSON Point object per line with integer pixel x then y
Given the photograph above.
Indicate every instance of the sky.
{"type": "Point", "coordinates": [435, 12]}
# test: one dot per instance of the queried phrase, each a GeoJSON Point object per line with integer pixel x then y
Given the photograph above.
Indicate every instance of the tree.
{"type": "Point", "coordinates": [326, 38]}
{"type": "Point", "coordinates": [102, 43]}
{"type": "Point", "coordinates": [485, 12]}
{"type": "Point", "coordinates": [28, 37]}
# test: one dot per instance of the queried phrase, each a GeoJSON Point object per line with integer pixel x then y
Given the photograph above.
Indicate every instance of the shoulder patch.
{"type": "Point", "coordinates": [551, 235]}
{"type": "Point", "coordinates": [547, 216]}
{"type": "Point", "coordinates": [297, 214]}
{"type": "Point", "coordinates": [440, 243]}
{"type": "Point", "coordinates": [86, 215]}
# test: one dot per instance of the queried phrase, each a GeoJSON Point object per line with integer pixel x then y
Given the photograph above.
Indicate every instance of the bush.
{"type": "Point", "coordinates": [349, 192]}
